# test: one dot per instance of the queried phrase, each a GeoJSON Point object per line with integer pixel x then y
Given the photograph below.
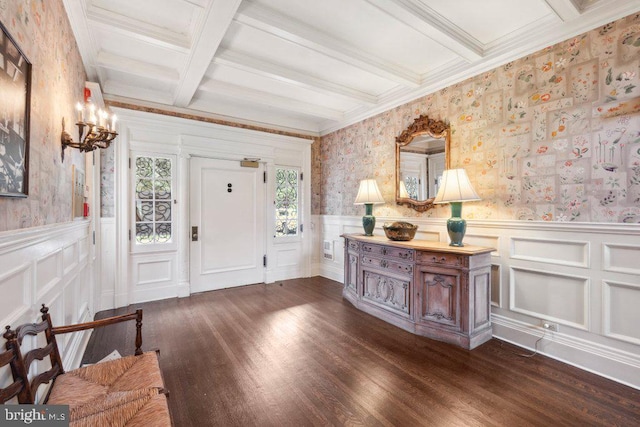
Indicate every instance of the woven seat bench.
{"type": "Point", "coordinates": [128, 391]}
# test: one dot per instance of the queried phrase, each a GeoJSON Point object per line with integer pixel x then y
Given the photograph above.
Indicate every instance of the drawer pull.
{"type": "Point", "coordinates": [442, 259]}
{"type": "Point", "coordinates": [404, 255]}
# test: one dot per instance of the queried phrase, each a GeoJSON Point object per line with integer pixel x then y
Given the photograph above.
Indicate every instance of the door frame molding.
{"type": "Point", "coordinates": [143, 131]}
{"type": "Point", "coordinates": [263, 206]}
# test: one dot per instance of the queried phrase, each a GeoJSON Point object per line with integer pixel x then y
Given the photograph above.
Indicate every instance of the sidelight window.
{"type": "Point", "coordinates": [287, 201]}
{"type": "Point", "coordinates": [153, 199]}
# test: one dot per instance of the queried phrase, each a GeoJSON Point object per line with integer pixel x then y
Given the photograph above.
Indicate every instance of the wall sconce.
{"type": "Point", "coordinates": [96, 132]}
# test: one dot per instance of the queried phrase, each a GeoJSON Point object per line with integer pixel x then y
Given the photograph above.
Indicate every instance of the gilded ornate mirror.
{"type": "Point", "coordinates": [422, 154]}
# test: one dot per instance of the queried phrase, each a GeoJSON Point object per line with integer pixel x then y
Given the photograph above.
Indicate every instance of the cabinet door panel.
{"type": "Point", "coordinates": [391, 293]}
{"type": "Point", "coordinates": [440, 297]}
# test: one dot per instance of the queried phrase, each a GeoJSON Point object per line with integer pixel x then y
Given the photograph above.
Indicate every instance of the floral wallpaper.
{"type": "Point", "coordinates": [554, 136]}
{"type": "Point", "coordinates": [107, 182]}
{"type": "Point", "coordinates": [42, 31]}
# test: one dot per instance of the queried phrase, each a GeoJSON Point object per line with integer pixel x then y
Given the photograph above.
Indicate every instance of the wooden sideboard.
{"type": "Point", "coordinates": [427, 288]}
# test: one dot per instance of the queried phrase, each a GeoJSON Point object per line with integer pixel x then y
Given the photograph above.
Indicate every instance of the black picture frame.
{"type": "Point", "coordinates": [15, 105]}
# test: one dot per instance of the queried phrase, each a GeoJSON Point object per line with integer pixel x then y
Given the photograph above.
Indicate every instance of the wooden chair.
{"type": "Point", "coordinates": [17, 387]}
{"type": "Point", "coordinates": [130, 388]}
{"type": "Point", "coordinates": [22, 363]}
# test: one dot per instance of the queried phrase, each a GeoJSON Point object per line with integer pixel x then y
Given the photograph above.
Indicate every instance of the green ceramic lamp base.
{"type": "Point", "coordinates": [368, 220]}
{"type": "Point", "coordinates": [456, 226]}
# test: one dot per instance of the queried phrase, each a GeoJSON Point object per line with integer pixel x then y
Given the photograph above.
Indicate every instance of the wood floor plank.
{"type": "Point", "coordinates": [294, 353]}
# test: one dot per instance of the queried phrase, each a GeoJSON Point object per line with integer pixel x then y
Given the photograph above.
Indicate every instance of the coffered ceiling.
{"type": "Point", "coordinates": [310, 66]}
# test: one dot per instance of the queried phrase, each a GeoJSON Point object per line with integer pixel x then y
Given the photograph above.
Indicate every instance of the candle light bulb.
{"type": "Point", "coordinates": [101, 115]}
{"type": "Point", "coordinates": [113, 123]}
{"type": "Point", "coordinates": [92, 114]}
{"type": "Point", "coordinates": [80, 109]}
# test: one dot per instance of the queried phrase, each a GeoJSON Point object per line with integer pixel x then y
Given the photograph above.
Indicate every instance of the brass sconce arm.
{"type": "Point", "coordinates": [90, 137]}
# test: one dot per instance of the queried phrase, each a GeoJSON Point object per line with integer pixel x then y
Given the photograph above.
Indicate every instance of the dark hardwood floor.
{"type": "Point", "coordinates": [295, 354]}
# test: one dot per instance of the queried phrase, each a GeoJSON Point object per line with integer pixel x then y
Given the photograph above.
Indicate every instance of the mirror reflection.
{"type": "Point", "coordinates": [422, 155]}
{"type": "Point", "coordinates": [421, 165]}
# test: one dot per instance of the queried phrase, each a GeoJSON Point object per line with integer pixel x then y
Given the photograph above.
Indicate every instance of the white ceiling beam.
{"type": "Point", "coordinates": [429, 23]}
{"type": "Point", "coordinates": [130, 27]}
{"type": "Point", "coordinates": [270, 70]}
{"type": "Point", "coordinates": [567, 10]}
{"type": "Point", "coordinates": [275, 24]}
{"type": "Point", "coordinates": [216, 19]}
{"type": "Point", "coordinates": [113, 88]}
{"type": "Point", "coordinates": [198, 3]}
{"type": "Point", "coordinates": [135, 67]}
{"type": "Point", "coordinates": [86, 44]}
{"type": "Point", "coordinates": [232, 91]}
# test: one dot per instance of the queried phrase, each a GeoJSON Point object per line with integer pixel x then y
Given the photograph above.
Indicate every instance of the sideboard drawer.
{"type": "Point", "coordinates": [388, 251]}
{"type": "Point", "coordinates": [439, 258]}
{"type": "Point", "coordinates": [387, 265]}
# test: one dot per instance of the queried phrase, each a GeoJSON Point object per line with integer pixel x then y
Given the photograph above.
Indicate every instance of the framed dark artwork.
{"type": "Point", "coordinates": [15, 87]}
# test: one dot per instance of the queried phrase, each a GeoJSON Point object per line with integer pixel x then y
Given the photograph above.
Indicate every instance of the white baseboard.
{"type": "Point", "coordinates": [184, 289]}
{"type": "Point", "coordinates": [316, 269]}
{"type": "Point", "coordinates": [332, 272]}
{"type": "Point", "coordinates": [154, 294]}
{"type": "Point", "coordinates": [617, 365]}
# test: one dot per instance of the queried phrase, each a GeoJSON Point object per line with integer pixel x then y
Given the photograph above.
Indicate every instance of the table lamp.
{"type": "Point", "coordinates": [368, 195]}
{"type": "Point", "coordinates": [455, 188]}
{"type": "Point", "coordinates": [404, 194]}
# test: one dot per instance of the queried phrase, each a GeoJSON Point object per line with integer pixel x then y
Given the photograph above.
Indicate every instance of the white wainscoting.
{"type": "Point", "coordinates": [143, 276]}
{"type": "Point", "coordinates": [108, 261]}
{"type": "Point", "coordinates": [583, 277]}
{"type": "Point", "coordinates": [48, 265]}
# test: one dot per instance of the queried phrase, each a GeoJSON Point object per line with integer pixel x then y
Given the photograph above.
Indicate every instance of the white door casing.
{"type": "Point", "coordinates": [185, 139]}
{"type": "Point", "coordinates": [436, 167]}
{"type": "Point", "coordinates": [227, 206]}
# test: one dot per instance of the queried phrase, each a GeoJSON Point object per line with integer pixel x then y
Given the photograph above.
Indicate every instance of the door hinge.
{"type": "Point", "coordinates": [264, 177]}
{"type": "Point", "coordinates": [301, 228]}
{"type": "Point", "coordinates": [264, 260]}
{"type": "Point", "coordinates": [129, 162]}
{"type": "Point", "coordinates": [94, 237]}
{"type": "Point", "coordinates": [129, 234]}
{"type": "Point", "coordinates": [93, 157]}
{"type": "Point", "coordinates": [301, 176]}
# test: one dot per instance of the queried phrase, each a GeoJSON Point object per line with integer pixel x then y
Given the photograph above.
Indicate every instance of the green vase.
{"type": "Point", "coordinates": [456, 226]}
{"type": "Point", "coordinates": [368, 220]}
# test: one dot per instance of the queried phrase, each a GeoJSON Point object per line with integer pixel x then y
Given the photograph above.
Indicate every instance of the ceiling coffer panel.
{"type": "Point", "coordinates": [306, 65]}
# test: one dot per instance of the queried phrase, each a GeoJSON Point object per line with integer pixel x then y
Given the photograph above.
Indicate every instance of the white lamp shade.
{"type": "Point", "coordinates": [368, 193]}
{"type": "Point", "coordinates": [455, 187]}
{"type": "Point", "coordinates": [403, 190]}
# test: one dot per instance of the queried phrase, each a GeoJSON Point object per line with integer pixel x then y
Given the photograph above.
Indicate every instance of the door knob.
{"type": "Point", "coordinates": [194, 234]}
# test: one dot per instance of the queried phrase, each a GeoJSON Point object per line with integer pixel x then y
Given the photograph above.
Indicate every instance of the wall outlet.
{"type": "Point", "coordinates": [550, 326]}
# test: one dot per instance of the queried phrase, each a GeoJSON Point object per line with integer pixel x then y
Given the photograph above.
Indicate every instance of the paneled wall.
{"type": "Point", "coordinates": [163, 271]}
{"type": "Point", "coordinates": [583, 277]}
{"type": "Point", "coordinates": [49, 265]}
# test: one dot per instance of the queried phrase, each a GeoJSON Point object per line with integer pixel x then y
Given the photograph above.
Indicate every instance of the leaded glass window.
{"type": "Point", "coordinates": [286, 204]}
{"type": "Point", "coordinates": [411, 183]}
{"type": "Point", "coordinates": [153, 199]}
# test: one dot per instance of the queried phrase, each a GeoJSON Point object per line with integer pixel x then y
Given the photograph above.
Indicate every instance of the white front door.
{"type": "Point", "coordinates": [227, 207]}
